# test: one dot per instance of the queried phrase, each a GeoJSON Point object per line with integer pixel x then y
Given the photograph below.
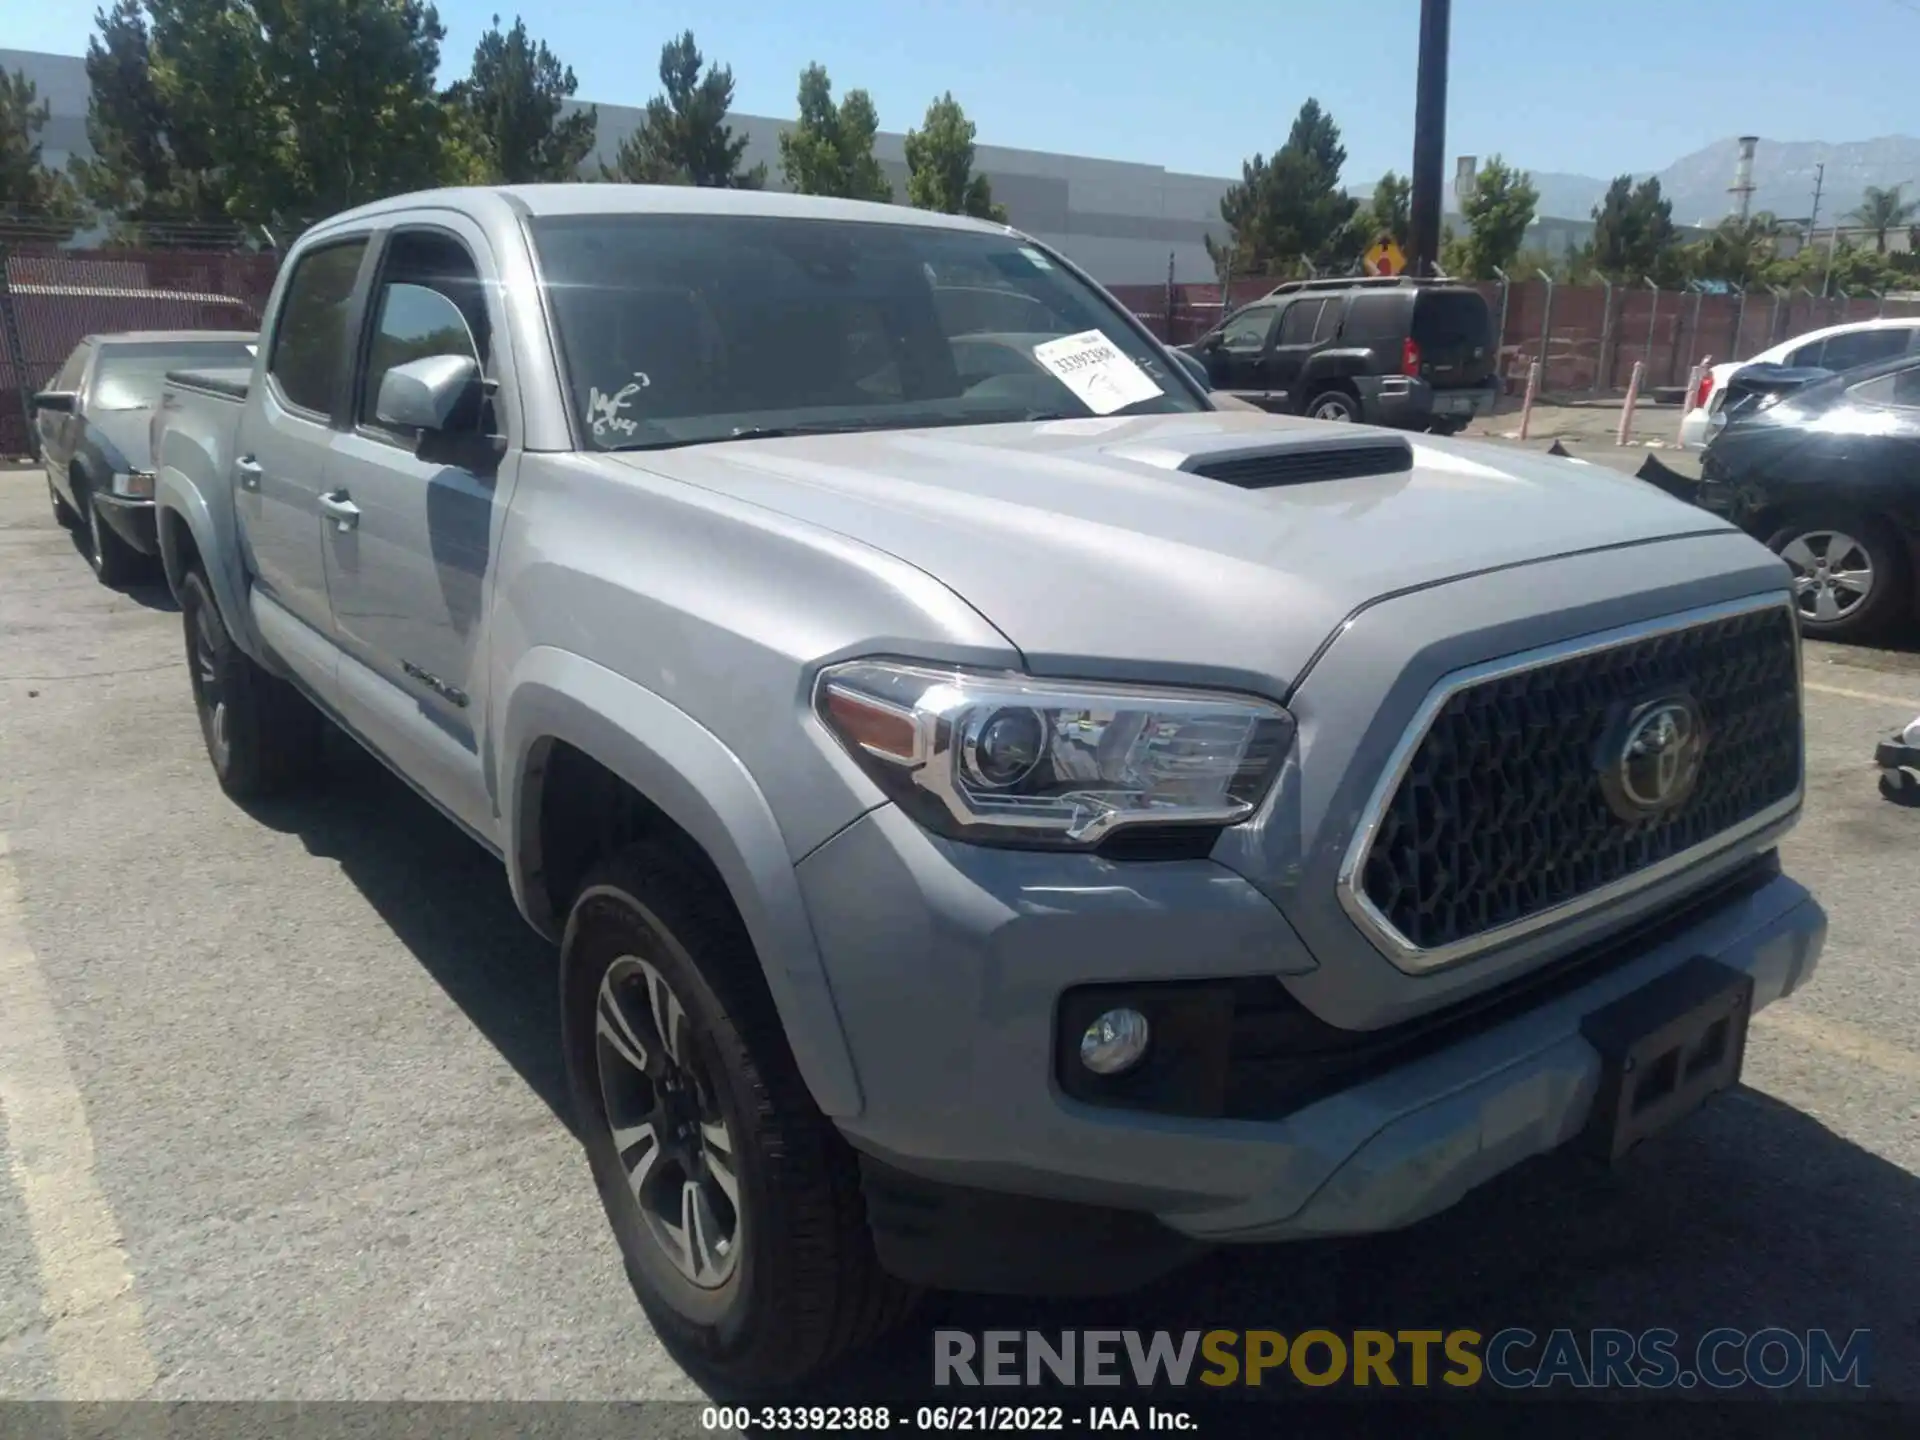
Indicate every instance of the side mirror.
{"type": "Point", "coordinates": [427, 394]}
{"type": "Point", "coordinates": [58, 400]}
{"type": "Point", "coordinates": [1209, 342]}
{"type": "Point", "coordinates": [1195, 370]}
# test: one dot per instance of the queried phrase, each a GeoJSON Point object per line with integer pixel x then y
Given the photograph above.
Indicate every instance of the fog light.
{"type": "Point", "coordinates": [1114, 1042]}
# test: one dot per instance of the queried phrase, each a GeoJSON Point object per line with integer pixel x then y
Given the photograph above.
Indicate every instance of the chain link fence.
{"type": "Point", "coordinates": [1587, 337]}
{"type": "Point", "coordinates": [51, 300]}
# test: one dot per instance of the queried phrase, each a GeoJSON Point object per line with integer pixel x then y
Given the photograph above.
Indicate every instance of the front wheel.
{"type": "Point", "coordinates": [261, 734]}
{"type": "Point", "coordinates": [1849, 574]}
{"type": "Point", "coordinates": [1335, 405]}
{"type": "Point", "coordinates": [735, 1202]}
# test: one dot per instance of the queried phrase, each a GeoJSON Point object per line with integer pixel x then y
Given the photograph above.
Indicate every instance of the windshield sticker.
{"type": "Point", "coordinates": [603, 410]}
{"type": "Point", "coordinates": [1040, 262]}
{"type": "Point", "coordinates": [1092, 367]}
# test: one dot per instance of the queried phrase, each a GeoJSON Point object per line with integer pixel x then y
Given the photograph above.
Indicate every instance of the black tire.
{"type": "Point", "coordinates": [801, 1285]}
{"type": "Point", "coordinates": [63, 514]}
{"type": "Point", "coordinates": [114, 561]}
{"type": "Point", "coordinates": [1845, 614]}
{"type": "Point", "coordinates": [1446, 427]}
{"type": "Point", "coordinates": [262, 735]}
{"type": "Point", "coordinates": [1334, 405]}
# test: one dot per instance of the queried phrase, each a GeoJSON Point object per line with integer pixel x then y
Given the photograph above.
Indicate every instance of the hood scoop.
{"type": "Point", "coordinates": [1300, 456]}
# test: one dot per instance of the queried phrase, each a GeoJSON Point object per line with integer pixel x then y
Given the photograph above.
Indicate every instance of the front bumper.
{"type": "Point", "coordinates": [947, 963]}
{"type": "Point", "coordinates": [1409, 404]}
{"type": "Point", "coordinates": [132, 520]}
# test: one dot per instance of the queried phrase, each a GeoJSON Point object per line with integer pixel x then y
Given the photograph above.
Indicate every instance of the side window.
{"type": "Point", "coordinates": [1806, 355]}
{"type": "Point", "coordinates": [1863, 347]}
{"type": "Point", "coordinates": [311, 339]}
{"type": "Point", "coordinates": [1248, 330]}
{"type": "Point", "coordinates": [1900, 389]}
{"type": "Point", "coordinates": [1329, 322]}
{"type": "Point", "coordinates": [1302, 320]}
{"type": "Point", "coordinates": [429, 302]}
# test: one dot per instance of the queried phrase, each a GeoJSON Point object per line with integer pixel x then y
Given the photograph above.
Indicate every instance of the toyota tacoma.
{"type": "Point", "coordinates": [1006, 823]}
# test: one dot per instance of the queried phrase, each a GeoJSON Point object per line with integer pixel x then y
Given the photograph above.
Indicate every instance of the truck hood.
{"type": "Point", "coordinates": [1088, 547]}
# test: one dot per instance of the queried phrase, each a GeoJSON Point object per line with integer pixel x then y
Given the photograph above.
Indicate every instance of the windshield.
{"type": "Point", "coordinates": [128, 377]}
{"type": "Point", "coordinates": [678, 329]}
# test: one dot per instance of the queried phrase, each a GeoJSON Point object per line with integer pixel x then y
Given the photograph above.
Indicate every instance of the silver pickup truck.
{"type": "Point", "coordinates": [1007, 824]}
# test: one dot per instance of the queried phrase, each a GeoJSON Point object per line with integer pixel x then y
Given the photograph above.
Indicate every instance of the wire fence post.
{"type": "Point", "coordinates": [1167, 334]}
{"type": "Point", "coordinates": [1500, 335]}
{"type": "Point", "coordinates": [1546, 327]}
{"type": "Point", "coordinates": [1693, 324]}
{"type": "Point", "coordinates": [16, 353]}
{"type": "Point", "coordinates": [1602, 368]}
{"type": "Point", "coordinates": [1773, 320]}
{"type": "Point", "coordinates": [1653, 321]}
{"type": "Point", "coordinates": [1881, 313]}
{"type": "Point", "coordinates": [1633, 397]}
{"type": "Point", "coordinates": [1739, 325]}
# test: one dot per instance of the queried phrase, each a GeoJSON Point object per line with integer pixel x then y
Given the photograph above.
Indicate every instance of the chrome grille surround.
{"type": "Point", "coordinates": [1413, 957]}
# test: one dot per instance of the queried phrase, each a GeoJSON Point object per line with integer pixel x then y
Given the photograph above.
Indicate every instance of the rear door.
{"type": "Point", "coordinates": [286, 431]}
{"type": "Point", "coordinates": [1308, 323]}
{"type": "Point", "coordinates": [412, 528]}
{"type": "Point", "coordinates": [1238, 364]}
{"type": "Point", "coordinates": [1454, 330]}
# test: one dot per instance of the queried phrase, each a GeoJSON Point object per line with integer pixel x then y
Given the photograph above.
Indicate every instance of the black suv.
{"type": "Point", "coordinates": [1418, 354]}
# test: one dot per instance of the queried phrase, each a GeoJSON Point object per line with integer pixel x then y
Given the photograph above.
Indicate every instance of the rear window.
{"type": "Point", "coordinates": [1450, 317]}
{"type": "Point", "coordinates": [129, 376]}
{"type": "Point", "coordinates": [1376, 316]}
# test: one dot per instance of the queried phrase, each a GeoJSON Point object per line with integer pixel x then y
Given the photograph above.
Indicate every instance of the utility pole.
{"type": "Point", "coordinates": [1429, 137]}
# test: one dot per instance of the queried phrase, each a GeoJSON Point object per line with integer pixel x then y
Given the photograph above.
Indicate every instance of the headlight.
{"type": "Point", "coordinates": [134, 484]}
{"type": "Point", "coordinates": [1004, 758]}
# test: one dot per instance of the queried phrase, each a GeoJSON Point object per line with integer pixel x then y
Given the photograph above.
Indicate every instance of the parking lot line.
{"type": "Point", "coordinates": [1876, 698]}
{"type": "Point", "coordinates": [86, 1287]}
{"type": "Point", "coordinates": [1837, 1038]}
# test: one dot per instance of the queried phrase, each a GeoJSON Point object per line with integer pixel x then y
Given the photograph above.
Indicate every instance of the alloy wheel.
{"type": "Point", "coordinates": [208, 692]}
{"type": "Point", "coordinates": [1832, 574]}
{"type": "Point", "coordinates": [1332, 409]}
{"type": "Point", "coordinates": [671, 1138]}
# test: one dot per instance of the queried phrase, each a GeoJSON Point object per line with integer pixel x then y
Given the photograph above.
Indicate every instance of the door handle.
{"type": "Point", "coordinates": [249, 470]}
{"type": "Point", "coordinates": [338, 507]}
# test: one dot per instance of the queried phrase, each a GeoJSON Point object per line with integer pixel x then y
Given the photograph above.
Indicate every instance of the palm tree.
{"type": "Point", "coordinates": [1884, 210]}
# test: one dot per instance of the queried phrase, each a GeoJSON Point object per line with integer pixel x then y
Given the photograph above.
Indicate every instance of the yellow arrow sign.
{"type": "Point", "coordinates": [1384, 257]}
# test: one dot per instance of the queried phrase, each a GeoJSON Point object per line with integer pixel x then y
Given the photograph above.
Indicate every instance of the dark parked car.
{"type": "Point", "coordinates": [1828, 475]}
{"type": "Point", "coordinates": [1416, 354]}
{"type": "Point", "coordinates": [92, 421]}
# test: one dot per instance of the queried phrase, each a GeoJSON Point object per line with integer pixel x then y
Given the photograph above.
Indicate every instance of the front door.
{"type": "Point", "coordinates": [59, 428]}
{"type": "Point", "coordinates": [1236, 363]}
{"type": "Point", "coordinates": [286, 430]}
{"type": "Point", "coordinates": [412, 524]}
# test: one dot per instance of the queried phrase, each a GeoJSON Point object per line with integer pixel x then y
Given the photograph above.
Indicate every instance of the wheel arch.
{"type": "Point", "coordinates": [593, 760]}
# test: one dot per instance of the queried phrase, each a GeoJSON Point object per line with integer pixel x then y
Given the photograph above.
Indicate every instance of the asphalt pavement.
{"type": "Point", "coordinates": [283, 1114]}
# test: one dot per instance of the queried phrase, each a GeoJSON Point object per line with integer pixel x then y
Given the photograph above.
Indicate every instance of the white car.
{"type": "Point", "coordinates": [1837, 347]}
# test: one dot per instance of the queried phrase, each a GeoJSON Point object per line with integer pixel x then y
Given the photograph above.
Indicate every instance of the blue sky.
{"type": "Point", "coordinates": [1552, 84]}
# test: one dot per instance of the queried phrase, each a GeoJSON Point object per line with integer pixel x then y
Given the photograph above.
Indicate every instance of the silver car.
{"type": "Point", "coordinates": [92, 421]}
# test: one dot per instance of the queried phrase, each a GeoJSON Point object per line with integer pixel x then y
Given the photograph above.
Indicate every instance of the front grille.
{"type": "Point", "coordinates": [1499, 816]}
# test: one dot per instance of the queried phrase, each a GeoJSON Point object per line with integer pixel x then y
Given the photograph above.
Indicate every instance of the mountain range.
{"type": "Point", "coordinates": [1783, 178]}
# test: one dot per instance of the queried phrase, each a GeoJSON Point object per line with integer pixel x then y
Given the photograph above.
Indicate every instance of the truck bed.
{"type": "Point", "coordinates": [229, 383]}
